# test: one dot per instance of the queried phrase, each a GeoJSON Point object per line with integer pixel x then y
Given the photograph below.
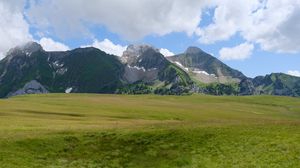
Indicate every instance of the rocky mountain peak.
{"type": "Point", "coordinates": [193, 50]}
{"type": "Point", "coordinates": [32, 47]}
{"type": "Point", "coordinates": [26, 48]}
{"type": "Point", "coordinates": [134, 52]}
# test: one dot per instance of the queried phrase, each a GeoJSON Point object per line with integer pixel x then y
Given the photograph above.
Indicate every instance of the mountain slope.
{"type": "Point", "coordinates": [88, 70]}
{"type": "Point", "coordinates": [81, 70]}
{"type": "Point", "coordinates": [277, 84]}
{"type": "Point", "coordinates": [145, 64]}
{"type": "Point", "coordinates": [30, 69]}
{"type": "Point", "coordinates": [142, 69]}
{"type": "Point", "coordinates": [22, 65]}
{"type": "Point", "coordinates": [206, 68]}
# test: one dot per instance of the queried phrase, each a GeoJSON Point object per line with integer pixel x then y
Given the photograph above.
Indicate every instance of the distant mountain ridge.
{"type": "Point", "coordinates": [142, 69]}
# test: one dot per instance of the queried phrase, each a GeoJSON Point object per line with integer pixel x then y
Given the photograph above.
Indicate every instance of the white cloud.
{"type": "Point", "coordinates": [239, 52]}
{"type": "Point", "coordinates": [294, 73]}
{"type": "Point", "coordinates": [109, 47]}
{"type": "Point", "coordinates": [274, 24]}
{"type": "Point", "coordinates": [14, 30]}
{"type": "Point", "coordinates": [50, 45]}
{"type": "Point", "coordinates": [229, 18]}
{"type": "Point", "coordinates": [166, 52]}
{"type": "Point", "coordinates": [132, 19]}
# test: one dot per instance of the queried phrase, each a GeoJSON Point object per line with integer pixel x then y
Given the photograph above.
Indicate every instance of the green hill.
{"type": "Point", "coordinates": [89, 130]}
{"type": "Point", "coordinates": [277, 84]}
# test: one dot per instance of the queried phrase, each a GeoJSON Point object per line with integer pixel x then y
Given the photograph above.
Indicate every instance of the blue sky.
{"type": "Point", "coordinates": [257, 37]}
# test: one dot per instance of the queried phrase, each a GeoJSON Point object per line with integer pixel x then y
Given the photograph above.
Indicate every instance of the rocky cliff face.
{"type": "Point", "coordinates": [145, 64]}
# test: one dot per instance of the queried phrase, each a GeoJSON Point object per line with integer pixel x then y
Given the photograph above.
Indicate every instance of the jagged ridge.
{"type": "Point", "coordinates": [141, 69]}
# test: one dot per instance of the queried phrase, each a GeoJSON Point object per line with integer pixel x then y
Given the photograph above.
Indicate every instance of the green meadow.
{"type": "Point", "coordinates": [90, 130]}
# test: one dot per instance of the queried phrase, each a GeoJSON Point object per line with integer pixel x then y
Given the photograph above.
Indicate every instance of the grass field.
{"type": "Point", "coordinates": [89, 130]}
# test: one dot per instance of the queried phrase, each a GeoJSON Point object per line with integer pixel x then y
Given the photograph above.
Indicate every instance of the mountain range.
{"type": "Point", "coordinates": [142, 69]}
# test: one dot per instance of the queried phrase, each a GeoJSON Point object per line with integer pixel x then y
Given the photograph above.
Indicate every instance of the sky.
{"type": "Point", "coordinates": [257, 37]}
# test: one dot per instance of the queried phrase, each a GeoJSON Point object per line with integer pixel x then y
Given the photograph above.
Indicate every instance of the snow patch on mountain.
{"type": "Point", "coordinates": [197, 71]}
{"type": "Point", "coordinates": [138, 68]}
{"type": "Point", "coordinates": [56, 64]}
{"type": "Point", "coordinates": [181, 66]}
{"type": "Point", "coordinates": [61, 71]}
{"type": "Point", "coordinates": [69, 90]}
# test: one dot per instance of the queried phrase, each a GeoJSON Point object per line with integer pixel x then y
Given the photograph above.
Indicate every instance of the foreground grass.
{"type": "Point", "coordinates": [86, 130]}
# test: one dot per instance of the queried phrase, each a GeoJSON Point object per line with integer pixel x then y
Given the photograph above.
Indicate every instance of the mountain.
{"type": "Point", "coordinates": [81, 70]}
{"type": "Point", "coordinates": [272, 84]}
{"type": "Point", "coordinates": [205, 68]}
{"type": "Point", "coordinates": [277, 84]}
{"type": "Point", "coordinates": [142, 69]}
{"type": "Point", "coordinates": [145, 64]}
{"type": "Point", "coordinates": [30, 69]}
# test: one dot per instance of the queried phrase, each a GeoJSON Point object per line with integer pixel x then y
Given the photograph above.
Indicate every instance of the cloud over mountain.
{"type": "Point", "coordinates": [294, 73]}
{"type": "Point", "coordinates": [131, 19]}
{"type": "Point", "coordinates": [14, 29]}
{"type": "Point", "coordinates": [108, 46]}
{"type": "Point", "coordinates": [273, 24]}
{"type": "Point", "coordinates": [239, 52]}
{"type": "Point", "coordinates": [269, 25]}
{"type": "Point", "coordinates": [49, 44]}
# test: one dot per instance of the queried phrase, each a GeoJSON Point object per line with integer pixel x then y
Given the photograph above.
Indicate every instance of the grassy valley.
{"type": "Point", "coordinates": [89, 130]}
